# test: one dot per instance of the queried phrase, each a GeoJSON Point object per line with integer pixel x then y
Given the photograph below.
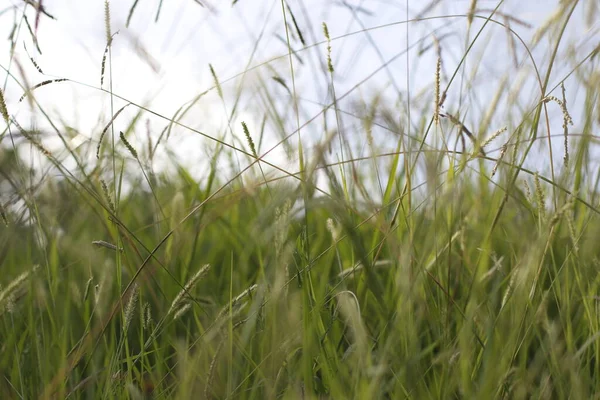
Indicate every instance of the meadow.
{"type": "Point", "coordinates": [428, 245]}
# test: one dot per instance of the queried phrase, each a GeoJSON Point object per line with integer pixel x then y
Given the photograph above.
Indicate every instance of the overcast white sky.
{"type": "Point", "coordinates": [163, 64]}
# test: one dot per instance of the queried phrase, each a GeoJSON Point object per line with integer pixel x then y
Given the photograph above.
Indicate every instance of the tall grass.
{"type": "Point", "coordinates": [390, 258]}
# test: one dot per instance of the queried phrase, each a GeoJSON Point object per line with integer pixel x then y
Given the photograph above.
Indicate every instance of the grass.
{"type": "Point", "coordinates": [408, 263]}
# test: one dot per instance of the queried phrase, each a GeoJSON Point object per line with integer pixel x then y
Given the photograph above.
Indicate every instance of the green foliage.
{"type": "Point", "coordinates": [122, 282]}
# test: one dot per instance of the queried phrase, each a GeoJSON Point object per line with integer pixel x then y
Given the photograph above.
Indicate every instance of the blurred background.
{"type": "Point", "coordinates": [161, 53]}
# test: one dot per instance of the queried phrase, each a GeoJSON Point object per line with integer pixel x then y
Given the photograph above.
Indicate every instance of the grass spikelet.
{"type": "Point", "coordinates": [493, 136]}
{"type": "Point", "coordinates": [146, 316]}
{"type": "Point", "coordinates": [502, 153]}
{"type": "Point", "coordinates": [438, 51]}
{"type": "Point", "coordinates": [107, 22]}
{"type": "Point", "coordinates": [249, 139]}
{"type": "Point", "coordinates": [88, 285]}
{"type": "Point", "coordinates": [217, 84]}
{"type": "Point", "coordinates": [539, 194]}
{"type": "Point", "coordinates": [179, 313]}
{"type": "Point", "coordinates": [188, 286]}
{"type": "Point", "coordinates": [527, 191]}
{"type": "Point", "coordinates": [471, 12]}
{"type": "Point", "coordinates": [44, 83]}
{"type": "Point", "coordinates": [3, 108]}
{"type": "Point", "coordinates": [348, 272]}
{"type": "Point", "coordinates": [36, 143]}
{"type": "Point", "coordinates": [247, 292]}
{"type": "Point", "coordinates": [9, 304]}
{"type": "Point", "coordinates": [566, 121]}
{"type": "Point", "coordinates": [369, 120]}
{"type": "Point", "coordinates": [280, 80]}
{"type": "Point", "coordinates": [509, 289]}
{"type": "Point", "coordinates": [106, 129]}
{"type": "Point", "coordinates": [4, 294]}
{"type": "Point", "coordinates": [326, 33]}
{"type": "Point", "coordinates": [111, 205]}
{"type": "Point", "coordinates": [128, 145]}
{"type": "Point", "coordinates": [235, 301]}
{"type": "Point", "coordinates": [97, 292]}
{"type": "Point", "coordinates": [298, 31]}
{"type": "Point", "coordinates": [333, 229]}
{"type": "Point", "coordinates": [438, 69]}
{"type": "Point", "coordinates": [496, 268]}
{"type": "Point", "coordinates": [571, 225]}
{"type": "Point", "coordinates": [130, 308]}
{"type": "Point", "coordinates": [463, 129]}
{"type": "Point", "coordinates": [103, 65]}
{"type": "Point", "coordinates": [35, 64]}
{"type": "Point", "coordinates": [102, 243]}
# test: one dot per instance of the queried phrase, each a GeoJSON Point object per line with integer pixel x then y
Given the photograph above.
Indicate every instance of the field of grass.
{"type": "Point", "coordinates": [407, 254]}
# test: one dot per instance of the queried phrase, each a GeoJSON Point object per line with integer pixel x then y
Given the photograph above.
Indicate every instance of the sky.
{"type": "Point", "coordinates": [164, 63]}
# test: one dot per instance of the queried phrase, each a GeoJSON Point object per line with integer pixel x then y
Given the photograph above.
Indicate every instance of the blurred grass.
{"type": "Point", "coordinates": [404, 273]}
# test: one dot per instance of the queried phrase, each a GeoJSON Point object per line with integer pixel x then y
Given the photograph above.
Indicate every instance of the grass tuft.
{"type": "Point", "coordinates": [353, 246]}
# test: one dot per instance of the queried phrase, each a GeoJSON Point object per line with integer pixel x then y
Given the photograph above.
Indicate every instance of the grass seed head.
{"type": "Point", "coordinates": [329, 62]}
{"type": "Point", "coordinates": [3, 109]}
{"type": "Point", "coordinates": [130, 308]}
{"type": "Point", "coordinates": [187, 288]}
{"type": "Point", "coordinates": [128, 145]}
{"type": "Point", "coordinates": [107, 22]}
{"type": "Point", "coordinates": [438, 100]}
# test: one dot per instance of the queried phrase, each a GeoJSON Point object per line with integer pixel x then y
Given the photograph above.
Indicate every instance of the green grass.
{"type": "Point", "coordinates": [405, 271]}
